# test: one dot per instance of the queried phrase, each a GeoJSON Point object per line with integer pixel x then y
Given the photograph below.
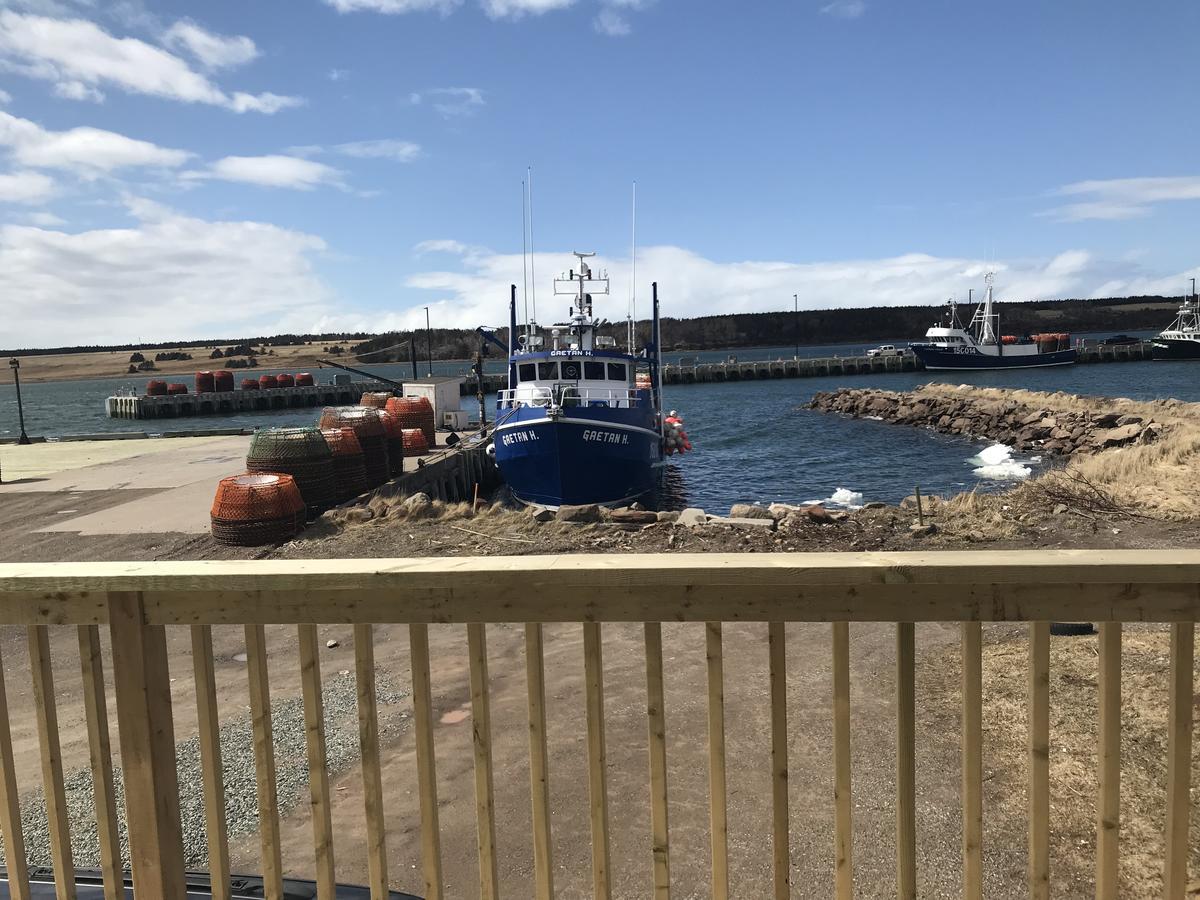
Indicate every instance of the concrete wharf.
{"type": "Point", "coordinates": [211, 403]}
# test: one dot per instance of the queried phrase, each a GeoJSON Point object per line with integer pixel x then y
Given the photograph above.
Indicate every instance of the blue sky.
{"type": "Point", "coordinates": [187, 170]}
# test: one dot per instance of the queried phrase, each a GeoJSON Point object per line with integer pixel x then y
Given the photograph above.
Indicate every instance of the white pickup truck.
{"type": "Point", "coordinates": [887, 350]}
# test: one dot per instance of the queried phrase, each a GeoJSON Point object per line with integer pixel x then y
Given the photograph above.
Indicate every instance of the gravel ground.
{"type": "Point", "coordinates": [237, 758]}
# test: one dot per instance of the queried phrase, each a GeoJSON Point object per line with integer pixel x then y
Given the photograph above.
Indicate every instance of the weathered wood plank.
{"type": "Point", "coordinates": [431, 847]}
{"type": "Point", "coordinates": [1039, 760]}
{"type": "Point", "coordinates": [485, 803]}
{"type": "Point", "coordinates": [368, 747]}
{"type": "Point", "coordinates": [843, 840]}
{"type": "Point", "coordinates": [656, 726]}
{"type": "Point", "coordinates": [972, 759]}
{"type": "Point", "coordinates": [718, 795]}
{"type": "Point", "coordinates": [318, 773]}
{"type": "Point", "coordinates": [1179, 759]}
{"type": "Point", "coordinates": [95, 706]}
{"type": "Point", "coordinates": [45, 709]}
{"type": "Point", "coordinates": [593, 676]}
{"type": "Point", "coordinates": [906, 770]}
{"type": "Point", "coordinates": [10, 806]}
{"type": "Point", "coordinates": [211, 771]}
{"type": "Point", "coordinates": [1108, 806]}
{"type": "Point", "coordinates": [264, 761]}
{"type": "Point", "coordinates": [142, 680]}
{"type": "Point", "coordinates": [928, 586]}
{"type": "Point", "coordinates": [781, 857]}
{"type": "Point", "coordinates": [539, 763]}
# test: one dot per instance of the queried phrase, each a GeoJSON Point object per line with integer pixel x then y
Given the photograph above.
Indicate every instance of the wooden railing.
{"type": "Point", "coordinates": [135, 601]}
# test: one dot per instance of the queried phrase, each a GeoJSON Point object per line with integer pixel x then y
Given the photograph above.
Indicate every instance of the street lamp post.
{"type": "Point", "coordinates": [428, 342]}
{"type": "Point", "coordinates": [796, 321]}
{"type": "Point", "coordinates": [16, 370]}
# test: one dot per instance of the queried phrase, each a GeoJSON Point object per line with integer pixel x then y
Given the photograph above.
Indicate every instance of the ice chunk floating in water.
{"type": "Point", "coordinates": [842, 497]}
{"type": "Point", "coordinates": [996, 462]}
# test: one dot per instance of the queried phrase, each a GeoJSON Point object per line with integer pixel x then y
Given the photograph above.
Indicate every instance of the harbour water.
{"type": "Point", "coordinates": [754, 440]}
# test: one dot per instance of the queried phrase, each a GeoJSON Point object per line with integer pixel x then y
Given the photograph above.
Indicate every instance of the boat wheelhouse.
{"type": "Point", "coordinates": [980, 345]}
{"type": "Point", "coordinates": [580, 421]}
{"type": "Point", "coordinates": [1181, 339]}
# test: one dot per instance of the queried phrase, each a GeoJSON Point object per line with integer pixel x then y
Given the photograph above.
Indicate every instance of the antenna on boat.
{"type": "Point", "coordinates": [632, 314]}
{"type": "Point", "coordinates": [525, 252]}
{"type": "Point", "coordinates": [532, 255]}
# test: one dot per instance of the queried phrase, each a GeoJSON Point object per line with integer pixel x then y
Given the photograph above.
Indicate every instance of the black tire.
{"type": "Point", "coordinates": [1071, 629]}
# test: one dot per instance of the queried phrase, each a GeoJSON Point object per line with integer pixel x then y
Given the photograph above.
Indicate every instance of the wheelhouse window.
{"type": "Point", "coordinates": [527, 372]}
{"type": "Point", "coordinates": [570, 370]}
{"type": "Point", "coordinates": [593, 371]}
{"type": "Point", "coordinates": [547, 371]}
{"type": "Point", "coordinates": [618, 372]}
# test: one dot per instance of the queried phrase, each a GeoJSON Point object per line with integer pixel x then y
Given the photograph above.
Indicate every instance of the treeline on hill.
{"type": "Point", "coordinates": [277, 340]}
{"type": "Point", "coordinates": [818, 326]}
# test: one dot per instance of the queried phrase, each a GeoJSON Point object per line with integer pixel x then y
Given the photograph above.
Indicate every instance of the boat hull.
{"type": "Point", "coordinates": [970, 359]}
{"type": "Point", "coordinates": [1168, 348]}
{"type": "Point", "coordinates": [575, 458]}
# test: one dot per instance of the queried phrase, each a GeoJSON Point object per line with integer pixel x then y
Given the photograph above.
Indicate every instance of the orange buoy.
{"type": "Point", "coordinates": [255, 509]}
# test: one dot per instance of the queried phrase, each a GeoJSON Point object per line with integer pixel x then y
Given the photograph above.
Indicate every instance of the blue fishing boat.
{"type": "Point", "coordinates": [981, 346]}
{"type": "Point", "coordinates": [580, 421]}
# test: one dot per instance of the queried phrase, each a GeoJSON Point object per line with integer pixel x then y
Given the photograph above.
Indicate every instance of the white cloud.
{"type": "Point", "coordinates": [474, 290]}
{"type": "Point", "coordinates": [276, 171]}
{"type": "Point", "coordinates": [397, 151]}
{"type": "Point", "coordinates": [85, 151]}
{"type": "Point", "coordinates": [169, 276]}
{"type": "Point", "coordinates": [394, 7]}
{"type": "Point", "coordinates": [79, 58]}
{"type": "Point", "coordinates": [451, 102]}
{"type": "Point", "coordinates": [845, 9]}
{"type": "Point", "coordinates": [1122, 198]}
{"type": "Point", "coordinates": [516, 9]}
{"type": "Point", "coordinates": [216, 51]}
{"type": "Point", "coordinates": [46, 219]}
{"type": "Point", "coordinates": [26, 187]}
{"type": "Point", "coordinates": [5, 97]}
{"type": "Point", "coordinates": [610, 22]}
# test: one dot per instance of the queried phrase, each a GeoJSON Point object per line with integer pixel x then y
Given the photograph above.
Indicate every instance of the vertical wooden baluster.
{"type": "Point", "coordinates": [781, 849]}
{"type": "Point", "coordinates": [718, 815]}
{"type": "Point", "coordinates": [368, 744]}
{"type": "Point", "coordinates": [431, 848]}
{"type": "Point", "coordinates": [100, 757]}
{"type": "Point", "coordinates": [539, 762]}
{"type": "Point", "coordinates": [318, 773]}
{"type": "Point", "coordinates": [1108, 809]}
{"type": "Point", "coordinates": [1179, 759]}
{"type": "Point", "coordinates": [264, 761]}
{"type": "Point", "coordinates": [210, 760]}
{"type": "Point", "coordinates": [593, 676]}
{"type": "Point", "coordinates": [1039, 760]}
{"type": "Point", "coordinates": [656, 722]}
{"type": "Point", "coordinates": [906, 770]}
{"type": "Point", "coordinates": [46, 711]}
{"type": "Point", "coordinates": [10, 807]}
{"type": "Point", "coordinates": [142, 680]}
{"type": "Point", "coordinates": [485, 807]}
{"type": "Point", "coordinates": [843, 821]}
{"type": "Point", "coordinates": [972, 759]}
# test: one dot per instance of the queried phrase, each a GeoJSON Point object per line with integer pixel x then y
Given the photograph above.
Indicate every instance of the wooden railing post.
{"type": "Point", "coordinates": [781, 858]}
{"type": "Point", "coordinates": [972, 759]}
{"type": "Point", "coordinates": [147, 736]}
{"type": "Point", "coordinates": [1039, 760]}
{"type": "Point", "coordinates": [906, 780]}
{"type": "Point", "coordinates": [843, 868]}
{"type": "Point", "coordinates": [1108, 807]}
{"type": "Point", "coordinates": [1179, 759]}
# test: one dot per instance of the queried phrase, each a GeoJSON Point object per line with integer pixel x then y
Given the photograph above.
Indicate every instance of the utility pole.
{"type": "Point", "coordinates": [796, 322]}
{"type": "Point", "coordinates": [15, 364]}
{"type": "Point", "coordinates": [428, 342]}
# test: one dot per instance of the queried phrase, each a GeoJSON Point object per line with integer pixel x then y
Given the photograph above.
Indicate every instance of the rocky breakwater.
{"type": "Point", "coordinates": [1024, 426]}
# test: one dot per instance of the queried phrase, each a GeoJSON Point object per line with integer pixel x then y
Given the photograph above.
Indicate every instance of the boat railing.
{"type": "Point", "coordinates": [160, 636]}
{"type": "Point", "coordinates": [569, 395]}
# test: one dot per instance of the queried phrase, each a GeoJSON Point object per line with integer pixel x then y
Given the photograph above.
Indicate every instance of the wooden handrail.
{"type": "Point", "coordinates": [136, 601]}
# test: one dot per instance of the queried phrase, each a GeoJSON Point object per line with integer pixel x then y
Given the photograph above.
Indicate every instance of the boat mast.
{"type": "Point", "coordinates": [987, 331]}
{"type": "Point", "coordinates": [632, 315]}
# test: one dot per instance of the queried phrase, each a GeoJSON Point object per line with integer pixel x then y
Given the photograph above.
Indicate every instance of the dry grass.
{"type": "Point", "coordinates": [1158, 479]}
{"type": "Point", "coordinates": [1073, 758]}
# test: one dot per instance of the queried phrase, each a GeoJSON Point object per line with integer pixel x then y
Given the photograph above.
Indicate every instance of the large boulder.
{"type": "Point", "coordinates": [416, 506]}
{"type": "Point", "coordinates": [1116, 437]}
{"type": "Point", "coordinates": [691, 517]}
{"type": "Point", "coordinates": [579, 515]}
{"type": "Point", "coordinates": [749, 511]}
{"type": "Point", "coordinates": [633, 516]}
